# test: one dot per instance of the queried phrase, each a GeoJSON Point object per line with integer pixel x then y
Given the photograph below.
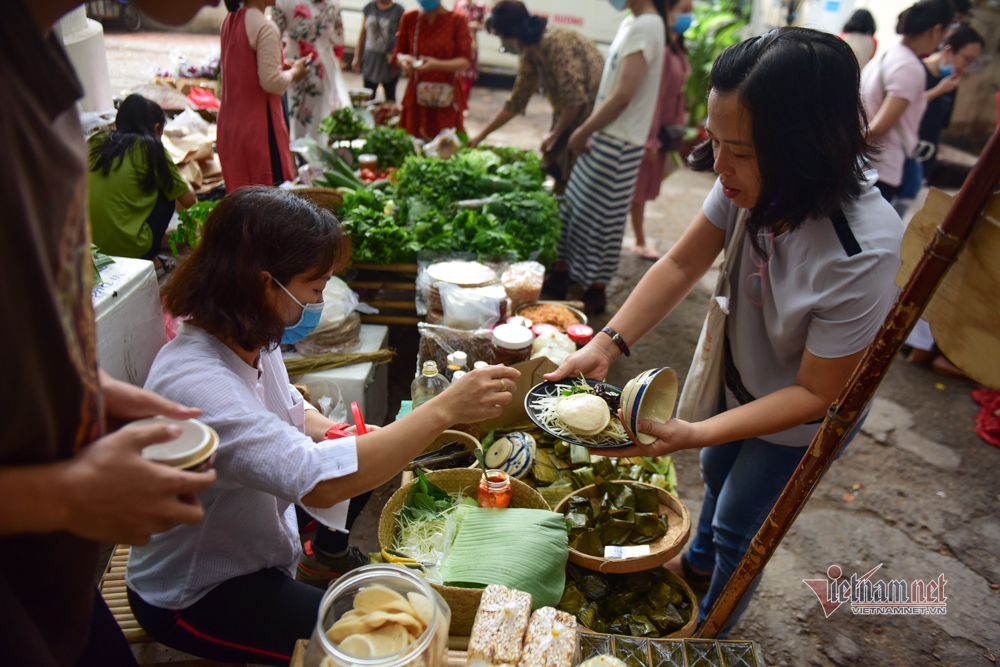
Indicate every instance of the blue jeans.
{"type": "Point", "coordinates": [743, 480]}
{"type": "Point", "coordinates": [913, 178]}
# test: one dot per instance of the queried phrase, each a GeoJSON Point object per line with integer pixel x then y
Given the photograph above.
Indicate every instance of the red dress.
{"type": "Point", "coordinates": [446, 38]}
{"type": "Point", "coordinates": [243, 115]}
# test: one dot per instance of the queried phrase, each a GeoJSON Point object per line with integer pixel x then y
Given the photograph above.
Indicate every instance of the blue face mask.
{"type": "Point", "coordinates": [311, 313]}
{"type": "Point", "coordinates": [428, 5]}
{"type": "Point", "coordinates": [681, 23]}
{"type": "Point", "coordinates": [618, 4]}
{"type": "Point", "coordinates": [946, 70]}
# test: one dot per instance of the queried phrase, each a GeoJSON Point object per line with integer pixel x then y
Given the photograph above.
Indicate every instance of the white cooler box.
{"type": "Point", "coordinates": [366, 383]}
{"type": "Point", "coordinates": [130, 329]}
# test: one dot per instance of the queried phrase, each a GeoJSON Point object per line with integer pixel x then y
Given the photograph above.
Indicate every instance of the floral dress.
{"type": "Point", "coordinates": [474, 12]}
{"type": "Point", "coordinates": [313, 27]}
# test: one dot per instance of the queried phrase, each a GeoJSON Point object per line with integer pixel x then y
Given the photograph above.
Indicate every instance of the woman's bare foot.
{"type": "Point", "coordinates": [645, 252]}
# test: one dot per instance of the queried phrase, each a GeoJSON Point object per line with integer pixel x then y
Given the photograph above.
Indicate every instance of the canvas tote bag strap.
{"type": "Point", "coordinates": [700, 396]}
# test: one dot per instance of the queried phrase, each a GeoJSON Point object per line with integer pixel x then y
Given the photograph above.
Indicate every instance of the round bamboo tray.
{"type": "Point", "coordinates": [660, 551]}
{"type": "Point", "coordinates": [463, 601]}
{"type": "Point", "coordinates": [472, 444]}
{"type": "Point", "coordinates": [687, 630]}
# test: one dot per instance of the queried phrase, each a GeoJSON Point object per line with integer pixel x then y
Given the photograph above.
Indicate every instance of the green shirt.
{"type": "Point", "coordinates": [119, 206]}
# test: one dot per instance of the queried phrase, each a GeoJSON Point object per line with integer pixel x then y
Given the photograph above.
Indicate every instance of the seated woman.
{"type": "Point", "coordinates": [223, 589]}
{"type": "Point", "coordinates": [132, 200]}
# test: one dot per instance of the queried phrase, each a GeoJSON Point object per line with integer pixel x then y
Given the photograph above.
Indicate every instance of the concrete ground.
{"type": "Point", "coordinates": [917, 492]}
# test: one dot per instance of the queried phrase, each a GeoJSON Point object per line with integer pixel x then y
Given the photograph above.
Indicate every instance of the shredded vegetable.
{"type": "Point", "coordinates": [545, 409]}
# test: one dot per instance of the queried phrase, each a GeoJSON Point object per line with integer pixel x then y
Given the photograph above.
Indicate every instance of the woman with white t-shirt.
{"type": "Point", "coordinates": [812, 280]}
{"type": "Point", "coordinates": [892, 89]}
{"type": "Point", "coordinates": [612, 141]}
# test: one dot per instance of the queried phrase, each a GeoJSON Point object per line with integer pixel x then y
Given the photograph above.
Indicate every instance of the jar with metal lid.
{"type": "Point", "coordinates": [511, 344]}
{"type": "Point", "coordinates": [368, 161]}
{"type": "Point", "coordinates": [430, 647]}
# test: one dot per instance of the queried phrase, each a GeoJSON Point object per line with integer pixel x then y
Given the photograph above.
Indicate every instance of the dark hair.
{"type": "Point", "coordinates": [924, 15]}
{"type": "Point", "coordinates": [962, 6]}
{"type": "Point", "coordinates": [661, 9]}
{"type": "Point", "coordinates": [800, 88]}
{"type": "Point", "coordinates": [234, 5]}
{"type": "Point", "coordinates": [862, 22]}
{"type": "Point", "coordinates": [135, 125]}
{"type": "Point", "coordinates": [252, 230]}
{"type": "Point", "coordinates": [679, 45]}
{"type": "Point", "coordinates": [511, 19]}
{"type": "Point", "coordinates": [961, 36]}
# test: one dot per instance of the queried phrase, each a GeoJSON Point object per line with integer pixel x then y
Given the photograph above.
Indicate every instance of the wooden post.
{"type": "Point", "coordinates": [844, 414]}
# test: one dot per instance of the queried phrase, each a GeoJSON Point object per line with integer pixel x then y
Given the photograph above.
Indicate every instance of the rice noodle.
{"type": "Point", "coordinates": [545, 412]}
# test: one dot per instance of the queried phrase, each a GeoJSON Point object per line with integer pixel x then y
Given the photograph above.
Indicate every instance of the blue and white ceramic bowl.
{"type": "Point", "coordinates": [514, 454]}
{"type": "Point", "coordinates": [650, 395]}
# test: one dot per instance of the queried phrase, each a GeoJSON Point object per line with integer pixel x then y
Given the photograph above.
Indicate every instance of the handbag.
{"type": "Point", "coordinates": [671, 138]}
{"type": "Point", "coordinates": [430, 93]}
{"type": "Point", "coordinates": [703, 386]}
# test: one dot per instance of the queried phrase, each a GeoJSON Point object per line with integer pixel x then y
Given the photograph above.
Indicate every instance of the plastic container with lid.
{"type": "Point", "coordinates": [368, 161]}
{"type": "Point", "coordinates": [458, 361]}
{"type": "Point", "coordinates": [542, 329]}
{"type": "Point", "coordinates": [479, 364]}
{"type": "Point", "coordinates": [495, 489]}
{"type": "Point", "coordinates": [511, 344]}
{"type": "Point", "coordinates": [430, 648]}
{"type": "Point", "coordinates": [579, 334]}
{"type": "Point", "coordinates": [194, 450]}
{"type": "Point", "coordinates": [522, 321]}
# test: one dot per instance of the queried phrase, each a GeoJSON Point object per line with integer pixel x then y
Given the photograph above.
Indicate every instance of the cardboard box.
{"type": "Point", "coordinates": [514, 413]}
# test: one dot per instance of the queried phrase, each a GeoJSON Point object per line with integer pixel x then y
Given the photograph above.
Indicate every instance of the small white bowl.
{"type": "Point", "coordinates": [651, 395]}
{"type": "Point", "coordinates": [194, 450]}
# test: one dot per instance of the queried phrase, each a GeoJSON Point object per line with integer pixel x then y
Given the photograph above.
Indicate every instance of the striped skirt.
{"type": "Point", "coordinates": [595, 209]}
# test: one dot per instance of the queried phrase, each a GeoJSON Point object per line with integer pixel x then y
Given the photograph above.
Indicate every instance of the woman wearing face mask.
{"type": "Point", "coordinates": [668, 124]}
{"type": "Point", "coordinates": [433, 45]}
{"type": "Point", "coordinates": [892, 88]}
{"type": "Point", "coordinates": [812, 280]}
{"type": "Point", "coordinates": [611, 142]}
{"type": "Point", "coordinates": [134, 185]}
{"type": "Point", "coordinates": [223, 590]}
{"type": "Point", "coordinates": [560, 61]}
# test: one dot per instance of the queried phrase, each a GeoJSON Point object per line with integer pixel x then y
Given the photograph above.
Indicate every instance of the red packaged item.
{"type": "Point", "coordinates": [579, 333]}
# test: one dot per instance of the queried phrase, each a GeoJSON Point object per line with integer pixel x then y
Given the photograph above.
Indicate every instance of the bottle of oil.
{"type": "Point", "coordinates": [427, 385]}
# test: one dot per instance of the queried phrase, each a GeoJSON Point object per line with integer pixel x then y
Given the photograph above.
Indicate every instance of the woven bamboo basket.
{"type": "Point", "coordinates": [660, 551]}
{"type": "Point", "coordinates": [463, 601]}
{"type": "Point", "coordinates": [684, 632]}
{"type": "Point", "coordinates": [328, 198]}
{"type": "Point", "coordinates": [451, 435]}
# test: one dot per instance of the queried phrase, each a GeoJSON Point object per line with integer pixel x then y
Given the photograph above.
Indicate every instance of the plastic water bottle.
{"type": "Point", "coordinates": [427, 385]}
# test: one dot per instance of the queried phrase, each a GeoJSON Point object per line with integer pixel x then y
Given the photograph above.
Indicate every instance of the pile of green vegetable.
{"type": "Point", "coordinates": [188, 231]}
{"type": "Point", "coordinates": [342, 124]}
{"type": "Point", "coordinates": [627, 513]}
{"type": "Point", "coordinates": [561, 468]}
{"type": "Point", "coordinates": [641, 604]}
{"type": "Point", "coordinates": [478, 201]}
{"type": "Point", "coordinates": [390, 144]}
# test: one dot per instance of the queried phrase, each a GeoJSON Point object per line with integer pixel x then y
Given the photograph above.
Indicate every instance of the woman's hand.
{"type": "Point", "coordinates": [479, 394]}
{"type": "Point", "coordinates": [299, 68]}
{"type": "Point", "coordinates": [675, 435]}
{"type": "Point", "coordinates": [405, 61]}
{"type": "Point", "coordinates": [548, 141]}
{"type": "Point", "coordinates": [356, 63]}
{"type": "Point", "coordinates": [426, 64]}
{"type": "Point", "coordinates": [476, 140]}
{"type": "Point", "coordinates": [579, 141]}
{"type": "Point", "coordinates": [947, 84]}
{"type": "Point", "coordinates": [593, 361]}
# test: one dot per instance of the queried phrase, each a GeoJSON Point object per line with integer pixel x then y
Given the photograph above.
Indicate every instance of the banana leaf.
{"type": "Point", "coordinates": [562, 448]}
{"type": "Point", "coordinates": [583, 477]}
{"type": "Point", "coordinates": [659, 481]}
{"type": "Point", "coordinates": [646, 499]}
{"type": "Point", "coordinates": [614, 532]}
{"type": "Point", "coordinates": [594, 587]}
{"type": "Point", "coordinates": [579, 455]}
{"type": "Point", "coordinates": [572, 600]}
{"type": "Point", "coordinates": [626, 497]}
{"type": "Point", "coordinates": [543, 471]}
{"type": "Point", "coordinates": [577, 519]}
{"type": "Point", "coordinates": [668, 619]}
{"type": "Point", "coordinates": [634, 473]}
{"type": "Point", "coordinates": [589, 543]}
{"type": "Point", "coordinates": [663, 595]}
{"type": "Point", "coordinates": [620, 603]}
{"type": "Point", "coordinates": [606, 488]}
{"type": "Point", "coordinates": [591, 618]}
{"type": "Point", "coordinates": [554, 493]}
{"type": "Point", "coordinates": [619, 626]}
{"type": "Point", "coordinates": [622, 515]}
{"type": "Point", "coordinates": [639, 582]}
{"type": "Point", "coordinates": [604, 468]}
{"type": "Point", "coordinates": [647, 528]}
{"type": "Point", "coordinates": [579, 504]}
{"type": "Point", "coordinates": [641, 626]}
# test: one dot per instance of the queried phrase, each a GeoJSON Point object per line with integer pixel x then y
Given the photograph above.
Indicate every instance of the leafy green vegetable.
{"type": "Point", "coordinates": [426, 500]}
{"type": "Point", "coordinates": [391, 145]}
{"type": "Point", "coordinates": [342, 123]}
{"type": "Point", "coordinates": [192, 219]}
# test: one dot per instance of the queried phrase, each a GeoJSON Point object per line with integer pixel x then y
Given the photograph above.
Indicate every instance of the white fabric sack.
{"type": "Point", "coordinates": [703, 385]}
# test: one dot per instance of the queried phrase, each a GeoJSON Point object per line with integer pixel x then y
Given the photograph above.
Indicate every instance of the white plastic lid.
{"type": "Point", "coordinates": [460, 358]}
{"type": "Point", "coordinates": [512, 336]}
{"type": "Point", "coordinates": [456, 375]}
{"type": "Point", "coordinates": [480, 364]}
{"type": "Point", "coordinates": [195, 441]}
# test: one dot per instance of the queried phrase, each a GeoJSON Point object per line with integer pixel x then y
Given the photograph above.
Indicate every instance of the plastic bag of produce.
{"type": "Point", "coordinates": [523, 282]}
{"type": "Point", "coordinates": [471, 308]}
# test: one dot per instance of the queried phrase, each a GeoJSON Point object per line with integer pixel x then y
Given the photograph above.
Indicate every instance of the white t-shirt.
{"type": "Point", "coordinates": [817, 296]}
{"type": "Point", "coordinates": [644, 34]}
{"type": "Point", "coordinates": [901, 73]}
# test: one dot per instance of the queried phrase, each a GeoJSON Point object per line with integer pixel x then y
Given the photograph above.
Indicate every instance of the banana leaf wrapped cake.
{"type": "Point", "coordinates": [626, 514]}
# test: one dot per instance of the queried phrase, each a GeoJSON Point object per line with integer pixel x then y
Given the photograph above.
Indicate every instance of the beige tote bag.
{"type": "Point", "coordinates": [700, 396]}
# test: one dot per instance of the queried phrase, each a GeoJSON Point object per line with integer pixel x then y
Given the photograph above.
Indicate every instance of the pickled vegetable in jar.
{"type": "Point", "coordinates": [494, 489]}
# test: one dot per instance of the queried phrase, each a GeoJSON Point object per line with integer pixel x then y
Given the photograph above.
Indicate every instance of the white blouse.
{"type": "Point", "coordinates": [265, 464]}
